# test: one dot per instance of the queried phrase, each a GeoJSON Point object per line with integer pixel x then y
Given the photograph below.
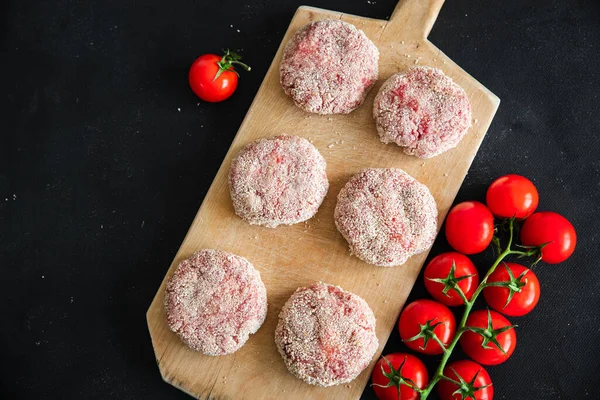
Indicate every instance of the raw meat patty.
{"type": "Point", "coordinates": [328, 67]}
{"type": "Point", "coordinates": [423, 111]}
{"type": "Point", "coordinates": [214, 301]}
{"type": "Point", "coordinates": [278, 181]}
{"type": "Point", "coordinates": [386, 216]}
{"type": "Point", "coordinates": [326, 335]}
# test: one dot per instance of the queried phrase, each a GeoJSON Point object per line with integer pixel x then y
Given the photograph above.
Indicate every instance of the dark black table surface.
{"type": "Point", "coordinates": [105, 157]}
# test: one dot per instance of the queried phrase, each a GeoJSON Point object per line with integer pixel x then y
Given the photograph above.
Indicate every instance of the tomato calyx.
{"type": "Point", "coordinates": [227, 63]}
{"type": "Point", "coordinates": [427, 333]}
{"type": "Point", "coordinates": [396, 379]}
{"type": "Point", "coordinates": [489, 334]}
{"type": "Point", "coordinates": [509, 225]}
{"type": "Point", "coordinates": [465, 389]}
{"type": "Point", "coordinates": [451, 282]}
{"type": "Point", "coordinates": [513, 285]}
{"type": "Point", "coordinates": [531, 251]}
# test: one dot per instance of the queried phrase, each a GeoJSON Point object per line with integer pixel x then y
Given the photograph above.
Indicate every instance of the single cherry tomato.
{"type": "Point", "coordinates": [418, 318]}
{"type": "Point", "coordinates": [213, 78]}
{"type": "Point", "coordinates": [469, 227]}
{"type": "Point", "coordinates": [475, 382]}
{"type": "Point", "coordinates": [554, 229]}
{"type": "Point", "coordinates": [446, 270]}
{"type": "Point", "coordinates": [396, 367]}
{"type": "Point", "coordinates": [512, 196]}
{"type": "Point", "coordinates": [493, 330]}
{"type": "Point", "coordinates": [519, 297]}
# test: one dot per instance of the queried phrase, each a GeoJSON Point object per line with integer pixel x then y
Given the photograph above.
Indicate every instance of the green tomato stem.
{"type": "Point", "coordinates": [246, 67]}
{"type": "Point", "coordinates": [461, 294]}
{"type": "Point", "coordinates": [439, 373]}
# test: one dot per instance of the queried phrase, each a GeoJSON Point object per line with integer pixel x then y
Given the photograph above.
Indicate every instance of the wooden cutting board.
{"type": "Point", "coordinates": [294, 256]}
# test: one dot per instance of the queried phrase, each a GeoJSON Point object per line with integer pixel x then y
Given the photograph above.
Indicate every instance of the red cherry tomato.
{"type": "Point", "coordinates": [522, 301]}
{"type": "Point", "coordinates": [438, 278]}
{"type": "Point", "coordinates": [469, 227]}
{"type": "Point", "coordinates": [405, 366]}
{"type": "Point", "coordinates": [213, 77]}
{"type": "Point", "coordinates": [417, 314]}
{"type": "Point", "coordinates": [512, 196]}
{"type": "Point", "coordinates": [554, 229]}
{"type": "Point", "coordinates": [473, 343]}
{"type": "Point", "coordinates": [465, 371]}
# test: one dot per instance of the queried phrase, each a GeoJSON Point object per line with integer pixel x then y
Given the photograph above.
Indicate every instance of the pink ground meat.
{"type": "Point", "coordinates": [214, 301]}
{"type": "Point", "coordinates": [423, 111]}
{"type": "Point", "coordinates": [278, 181]}
{"type": "Point", "coordinates": [386, 216]}
{"type": "Point", "coordinates": [326, 335]}
{"type": "Point", "coordinates": [328, 67]}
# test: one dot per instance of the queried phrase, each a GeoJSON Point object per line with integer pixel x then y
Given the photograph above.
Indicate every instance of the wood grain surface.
{"type": "Point", "coordinates": [294, 256]}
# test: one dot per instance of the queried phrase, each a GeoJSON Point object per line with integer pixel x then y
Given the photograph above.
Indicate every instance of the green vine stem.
{"type": "Point", "coordinates": [424, 393]}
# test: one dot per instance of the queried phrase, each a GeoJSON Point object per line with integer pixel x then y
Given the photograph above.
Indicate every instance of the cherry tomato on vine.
{"type": "Point", "coordinates": [469, 227]}
{"type": "Point", "coordinates": [446, 270]}
{"type": "Point", "coordinates": [523, 290]}
{"type": "Point", "coordinates": [493, 330]}
{"type": "Point", "coordinates": [403, 366]}
{"type": "Point", "coordinates": [554, 229]}
{"type": "Point", "coordinates": [474, 379]}
{"type": "Point", "coordinates": [512, 196]}
{"type": "Point", "coordinates": [420, 317]}
{"type": "Point", "coordinates": [213, 78]}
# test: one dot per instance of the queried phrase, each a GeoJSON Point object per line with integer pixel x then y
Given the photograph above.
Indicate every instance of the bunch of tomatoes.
{"type": "Point", "coordinates": [510, 289]}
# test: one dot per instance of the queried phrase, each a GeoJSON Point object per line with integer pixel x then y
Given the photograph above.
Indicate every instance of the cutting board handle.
{"type": "Point", "coordinates": [414, 18]}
